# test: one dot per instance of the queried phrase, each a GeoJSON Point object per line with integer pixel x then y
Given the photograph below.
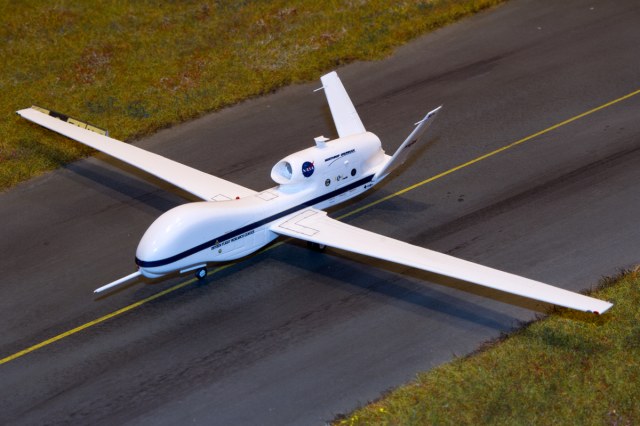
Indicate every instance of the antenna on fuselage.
{"type": "Point", "coordinates": [321, 141]}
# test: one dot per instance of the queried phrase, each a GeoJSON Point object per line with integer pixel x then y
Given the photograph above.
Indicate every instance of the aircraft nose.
{"type": "Point", "coordinates": [147, 251]}
{"type": "Point", "coordinates": [154, 251]}
{"type": "Point", "coordinates": [148, 259]}
{"type": "Point", "coordinates": [170, 238]}
{"type": "Point", "coordinates": [161, 241]}
{"type": "Point", "coordinates": [174, 238]}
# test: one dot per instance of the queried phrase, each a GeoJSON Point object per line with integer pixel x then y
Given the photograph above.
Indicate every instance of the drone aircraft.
{"type": "Point", "coordinates": [234, 221]}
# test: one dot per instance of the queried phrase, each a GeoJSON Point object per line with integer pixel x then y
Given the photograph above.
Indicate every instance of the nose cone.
{"type": "Point", "coordinates": [184, 236]}
{"type": "Point", "coordinates": [172, 236]}
{"type": "Point", "coordinates": [157, 242]}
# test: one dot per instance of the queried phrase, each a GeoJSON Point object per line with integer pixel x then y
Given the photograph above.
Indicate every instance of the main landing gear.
{"type": "Point", "coordinates": [201, 273]}
{"type": "Point", "coordinates": [316, 246]}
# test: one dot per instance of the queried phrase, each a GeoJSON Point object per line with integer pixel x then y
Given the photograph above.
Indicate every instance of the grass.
{"type": "Point", "coordinates": [569, 368]}
{"type": "Point", "coordinates": [136, 67]}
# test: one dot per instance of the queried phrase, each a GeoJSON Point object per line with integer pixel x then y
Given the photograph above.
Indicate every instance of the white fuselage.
{"type": "Point", "coordinates": [191, 235]}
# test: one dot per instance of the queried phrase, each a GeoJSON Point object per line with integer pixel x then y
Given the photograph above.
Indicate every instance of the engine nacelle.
{"type": "Point", "coordinates": [333, 160]}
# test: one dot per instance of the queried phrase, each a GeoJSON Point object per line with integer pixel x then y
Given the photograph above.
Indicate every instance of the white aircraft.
{"type": "Point", "coordinates": [234, 221]}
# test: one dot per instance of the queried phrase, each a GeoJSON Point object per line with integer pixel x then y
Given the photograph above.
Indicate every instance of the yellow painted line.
{"type": "Point", "coordinates": [395, 194]}
{"type": "Point", "coordinates": [491, 154]}
{"type": "Point", "coordinates": [105, 317]}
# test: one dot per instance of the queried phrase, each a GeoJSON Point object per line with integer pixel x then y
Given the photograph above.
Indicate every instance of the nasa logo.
{"type": "Point", "coordinates": [307, 169]}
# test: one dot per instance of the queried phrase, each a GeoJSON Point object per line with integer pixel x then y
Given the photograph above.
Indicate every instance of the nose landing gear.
{"type": "Point", "coordinates": [201, 273]}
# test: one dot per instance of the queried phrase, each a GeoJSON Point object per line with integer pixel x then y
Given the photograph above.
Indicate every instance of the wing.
{"type": "Point", "coordinates": [344, 113]}
{"type": "Point", "coordinates": [200, 184]}
{"type": "Point", "coordinates": [315, 226]}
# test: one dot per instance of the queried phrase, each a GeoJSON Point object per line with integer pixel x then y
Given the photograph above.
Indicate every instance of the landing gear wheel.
{"type": "Point", "coordinates": [316, 246]}
{"type": "Point", "coordinates": [201, 273]}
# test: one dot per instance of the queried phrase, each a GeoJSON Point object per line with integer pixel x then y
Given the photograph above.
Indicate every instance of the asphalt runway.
{"type": "Point", "coordinates": [292, 336]}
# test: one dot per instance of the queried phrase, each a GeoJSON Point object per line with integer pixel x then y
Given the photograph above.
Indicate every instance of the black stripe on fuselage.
{"type": "Point", "coordinates": [254, 225]}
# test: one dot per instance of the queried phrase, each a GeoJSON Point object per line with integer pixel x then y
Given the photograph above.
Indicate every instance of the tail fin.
{"type": "Point", "coordinates": [344, 113]}
{"type": "Point", "coordinates": [410, 143]}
